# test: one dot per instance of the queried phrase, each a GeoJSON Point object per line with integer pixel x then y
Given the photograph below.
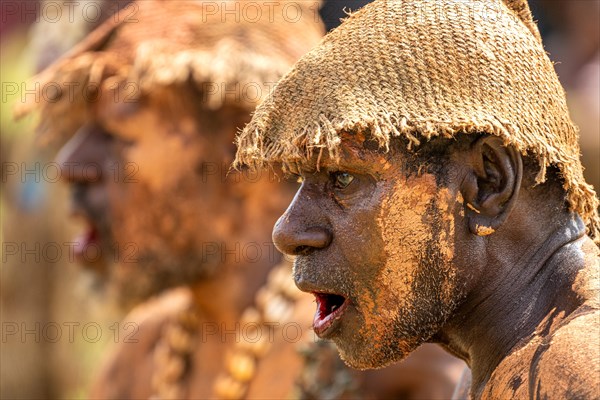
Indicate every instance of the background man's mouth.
{"type": "Point", "coordinates": [87, 248]}
{"type": "Point", "coordinates": [87, 245]}
{"type": "Point", "coordinates": [330, 308]}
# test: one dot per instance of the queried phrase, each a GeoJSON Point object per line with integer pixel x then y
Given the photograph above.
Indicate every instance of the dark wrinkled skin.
{"type": "Point", "coordinates": [493, 268]}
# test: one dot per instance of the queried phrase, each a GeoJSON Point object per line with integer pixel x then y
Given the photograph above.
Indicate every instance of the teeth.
{"type": "Point", "coordinates": [333, 308]}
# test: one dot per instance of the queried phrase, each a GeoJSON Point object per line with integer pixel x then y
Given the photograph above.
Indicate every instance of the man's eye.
{"type": "Point", "coordinates": [342, 179]}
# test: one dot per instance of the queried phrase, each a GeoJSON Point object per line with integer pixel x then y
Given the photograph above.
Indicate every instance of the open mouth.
{"type": "Point", "coordinates": [330, 308]}
{"type": "Point", "coordinates": [86, 248]}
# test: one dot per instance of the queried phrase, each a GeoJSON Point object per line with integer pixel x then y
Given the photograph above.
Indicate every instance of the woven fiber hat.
{"type": "Point", "coordinates": [232, 51]}
{"type": "Point", "coordinates": [421, 69]}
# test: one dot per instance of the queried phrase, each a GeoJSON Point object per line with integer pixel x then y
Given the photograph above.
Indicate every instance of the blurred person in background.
{"type": "Point", "coordinates": [146, 160]}
{"type": "Point", "coordinates": [149, 130]}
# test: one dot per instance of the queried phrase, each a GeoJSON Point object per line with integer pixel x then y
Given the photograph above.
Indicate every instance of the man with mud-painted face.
{"type": "Point", "coordinates": [442, 196]}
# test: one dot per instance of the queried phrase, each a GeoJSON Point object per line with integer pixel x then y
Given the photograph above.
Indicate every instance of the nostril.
{"type": "Point", "coordinates": [315, 238]}
{"type": "Point", "coordinates": [301, 250]}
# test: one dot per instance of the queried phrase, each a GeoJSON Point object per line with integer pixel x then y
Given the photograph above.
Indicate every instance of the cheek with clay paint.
{"type": "Point", "coordinates": [414, 290]}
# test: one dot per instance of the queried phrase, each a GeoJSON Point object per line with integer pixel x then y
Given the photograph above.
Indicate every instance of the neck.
{"type": "Point", "coordinates": [247, 256]}
{"type": "Point", "coordinates": [518, 293]}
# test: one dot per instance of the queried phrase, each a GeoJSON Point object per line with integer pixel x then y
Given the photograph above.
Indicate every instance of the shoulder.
{"type": "Point", "coordinates": [130, 361]}
{"type": "Point", "coordinates": [567, 362]}
{"type": "Point", "coordinates": [567, 365]}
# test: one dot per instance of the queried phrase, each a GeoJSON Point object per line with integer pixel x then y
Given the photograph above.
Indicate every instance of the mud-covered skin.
{"type": "Point", "coordinates": [353, 231]}
{"type": "Point", "coordinates": [473, 257]}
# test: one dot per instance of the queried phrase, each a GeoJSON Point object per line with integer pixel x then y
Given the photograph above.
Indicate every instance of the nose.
{"type": "Point", "coordinates": [296, 232]}
{"type": "Point", "coordinates": [81, 159]}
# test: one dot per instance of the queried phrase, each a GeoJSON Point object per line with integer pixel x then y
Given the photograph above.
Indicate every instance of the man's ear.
{"type": "Point", "coordinates": [492, 184]}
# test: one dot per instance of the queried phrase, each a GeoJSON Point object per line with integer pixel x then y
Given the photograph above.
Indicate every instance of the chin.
{"type": "Point", "coordinates": [154, 273]}
{"type": "Point", "coordinates": [98, 267]}
{"type": "Point", "coordinates": [364, 353]}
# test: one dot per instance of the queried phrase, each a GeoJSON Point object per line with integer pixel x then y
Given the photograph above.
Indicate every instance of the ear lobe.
{"type": "Point", "coordinates": [492, 184]}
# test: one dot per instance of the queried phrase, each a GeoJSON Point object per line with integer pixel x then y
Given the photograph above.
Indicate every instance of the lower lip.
{"type": "Point", "coordinates": [325, 326]}
{"type": "Point", "coordinates": [82, 251]}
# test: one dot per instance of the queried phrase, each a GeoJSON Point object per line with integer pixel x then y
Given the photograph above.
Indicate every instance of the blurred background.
{"type": "Point", "coordinates": [55, 325]}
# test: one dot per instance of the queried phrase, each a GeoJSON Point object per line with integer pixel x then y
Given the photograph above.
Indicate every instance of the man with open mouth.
{"type": "Point", "coordinates": [442, 196]}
